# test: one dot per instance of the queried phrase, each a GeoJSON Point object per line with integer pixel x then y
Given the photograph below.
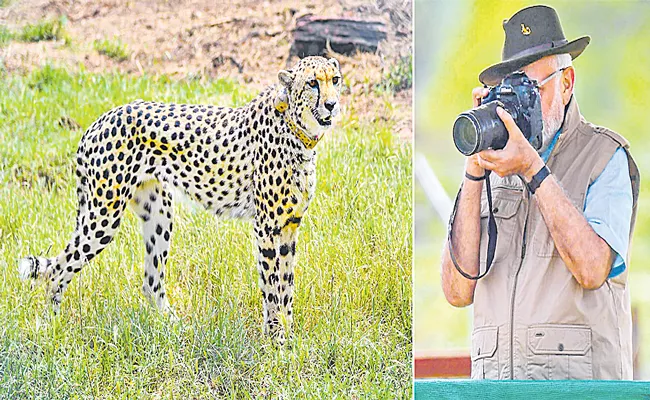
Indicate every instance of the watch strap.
{"type": "Point", "coordinates": [537, 179]}
{"type": "Point", "coordinates": [473, 177]}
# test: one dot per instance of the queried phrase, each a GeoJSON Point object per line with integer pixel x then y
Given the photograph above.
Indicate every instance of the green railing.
{"type": "Point", "coordinates": [529, 390]}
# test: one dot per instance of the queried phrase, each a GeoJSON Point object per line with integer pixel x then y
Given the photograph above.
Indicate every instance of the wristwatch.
{"type": "Point", "coordinates": [537, 179]}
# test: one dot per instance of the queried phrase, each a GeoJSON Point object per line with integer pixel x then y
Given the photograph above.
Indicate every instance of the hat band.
{"type": "Point", "coordinates": [538, 49]}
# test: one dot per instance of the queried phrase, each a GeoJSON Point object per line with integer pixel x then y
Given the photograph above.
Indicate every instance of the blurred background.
{"type": "Point", "coordinates": [454, 42]}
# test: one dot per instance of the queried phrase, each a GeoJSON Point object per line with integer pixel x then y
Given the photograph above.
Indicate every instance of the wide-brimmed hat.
{"type": "Point", "coordinates": [532, 33]}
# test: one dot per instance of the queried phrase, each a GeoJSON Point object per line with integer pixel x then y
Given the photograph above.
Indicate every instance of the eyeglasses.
{"type": "Point", "coordinates": [543, 82]}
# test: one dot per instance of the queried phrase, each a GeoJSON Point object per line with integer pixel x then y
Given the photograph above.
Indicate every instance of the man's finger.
{"type": "Point", "coordinates": [485, 164]}
{"type": "Point", "coordinates": [510, 124]}
{"type": "Point", "coordinates": [493, 156]}
{"type": "Point", "coordinates": [478, 94]}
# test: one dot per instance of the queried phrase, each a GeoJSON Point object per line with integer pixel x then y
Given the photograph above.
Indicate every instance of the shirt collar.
{"type": "Point", "coordinates": [546, 153]}
{"type": "Point", "coordinates": [570, 122]}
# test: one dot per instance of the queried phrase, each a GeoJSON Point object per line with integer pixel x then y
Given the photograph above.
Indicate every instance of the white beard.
{"type": "Point", "coordinates": [552, 121]}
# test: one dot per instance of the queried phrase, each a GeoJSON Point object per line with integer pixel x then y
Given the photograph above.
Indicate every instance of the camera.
{"type": "Point", "coordinates": [481, 128]}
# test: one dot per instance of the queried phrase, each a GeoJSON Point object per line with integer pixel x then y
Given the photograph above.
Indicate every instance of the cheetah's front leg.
{"type": "Point", "coordinates": [275, 262]}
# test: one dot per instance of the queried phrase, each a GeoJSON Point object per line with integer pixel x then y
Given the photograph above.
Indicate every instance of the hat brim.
{"type": "Point", "coordinates": [494, 74]}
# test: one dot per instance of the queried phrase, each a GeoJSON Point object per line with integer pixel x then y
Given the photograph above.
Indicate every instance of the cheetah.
{"type": "Point", "coordinates": [255, 162]}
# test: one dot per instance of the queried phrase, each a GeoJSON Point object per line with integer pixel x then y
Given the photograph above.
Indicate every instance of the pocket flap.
{"type": "Point", "coordinates": [504, 205]}
{"type": "Point", "coordinates": [559, 339]}
{"type": "Point", "coordinates": [484, 342]}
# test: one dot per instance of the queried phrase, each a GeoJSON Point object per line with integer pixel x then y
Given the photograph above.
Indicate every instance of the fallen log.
{"type": "Point", "coordinates": [312, 35]}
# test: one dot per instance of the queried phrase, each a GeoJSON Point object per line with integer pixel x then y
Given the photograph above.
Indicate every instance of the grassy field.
{"type": "Point", "coordinates": [352, 325]}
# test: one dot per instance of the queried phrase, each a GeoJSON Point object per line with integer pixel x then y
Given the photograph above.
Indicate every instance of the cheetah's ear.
{"type": "Point", "coordinates": [286, 77]}
{"type": "Point", "coordinates": [335, 63]}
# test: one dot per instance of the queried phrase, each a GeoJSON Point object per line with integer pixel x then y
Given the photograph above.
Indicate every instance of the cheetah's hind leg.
{"type": "Point", "coordinates": [97, 222]}
{"type": "Point", "coordinates": [152, 202]}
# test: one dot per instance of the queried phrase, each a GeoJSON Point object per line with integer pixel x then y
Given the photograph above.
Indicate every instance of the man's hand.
{"type": "Point", "coordinates": [517, 158]}
{"type": "Point", "coordinates": [466, 231]}
{"type": "Point", "coordinates": [587, 256]}
{"type": "Point", "coordinates": [477, 95]}
{"type": "Point", "coordinates": [472, 166]}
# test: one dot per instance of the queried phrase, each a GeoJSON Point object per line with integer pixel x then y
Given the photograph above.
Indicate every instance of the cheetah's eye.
{"type": "Point", "coordinates": [335, 80]}
{"type": "Point", "coordinates": [313, 83]}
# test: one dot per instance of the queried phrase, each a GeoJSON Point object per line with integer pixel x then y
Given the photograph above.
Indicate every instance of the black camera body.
{"type": "Point", "coordinates": [481, 128]}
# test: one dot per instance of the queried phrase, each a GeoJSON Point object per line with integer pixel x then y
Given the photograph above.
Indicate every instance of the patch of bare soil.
{"type": "Point", "coordinates": [241, 39]}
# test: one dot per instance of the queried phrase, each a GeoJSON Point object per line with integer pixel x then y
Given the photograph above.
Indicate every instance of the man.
{"type": "Point", "coordinates": [555, 304]}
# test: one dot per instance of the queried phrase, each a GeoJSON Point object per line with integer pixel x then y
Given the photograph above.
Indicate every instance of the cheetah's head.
{"type": "Point", "coordinates": [313, 88]}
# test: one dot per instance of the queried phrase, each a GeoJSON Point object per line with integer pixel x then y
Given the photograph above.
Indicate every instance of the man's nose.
{"type": "Point", "coordinates": [330, 104]}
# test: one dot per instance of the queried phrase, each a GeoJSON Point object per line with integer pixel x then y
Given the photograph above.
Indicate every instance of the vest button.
{"type": "Point", "coordinates": [560, 347]}
{"type": "Point", "coordinates": [495, 210]}
{"type": "Point", "coordinates": [478, 352]}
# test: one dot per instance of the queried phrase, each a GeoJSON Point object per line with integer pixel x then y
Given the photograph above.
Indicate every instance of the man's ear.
{"type": "Point", "coordinates": [568, 83]}
{"type": "Point", "coordinates": [335, 63]}
{"type": "Point", "coordinates": [286, 78]}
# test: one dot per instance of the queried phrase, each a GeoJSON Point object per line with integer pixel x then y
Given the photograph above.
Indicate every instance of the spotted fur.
{"type": "Point", "coordinates": [253, 162]}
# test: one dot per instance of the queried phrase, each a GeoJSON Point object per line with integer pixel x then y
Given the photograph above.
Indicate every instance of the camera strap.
{"type": "Point", "coordinates": [492, 233]}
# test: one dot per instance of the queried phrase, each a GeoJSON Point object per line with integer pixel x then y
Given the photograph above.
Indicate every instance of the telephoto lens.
{"type": "Point", "coordinates": [479, 129]}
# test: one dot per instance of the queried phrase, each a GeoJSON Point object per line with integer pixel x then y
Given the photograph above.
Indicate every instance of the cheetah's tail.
{"type": "Point", "coordinates": [32, 267]}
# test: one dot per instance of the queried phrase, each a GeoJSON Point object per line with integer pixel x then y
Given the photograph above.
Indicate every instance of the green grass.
{"type": "Point", "coordinates": [114, 49]}
{"type": "Point", "coordinates": [352, 326]}
{"type": "Point", "coordinates": [398, 77]}
{"type": "Point", "coordinates": [5, 35]}
{"type": "Point", "coordinates": [43, 30]}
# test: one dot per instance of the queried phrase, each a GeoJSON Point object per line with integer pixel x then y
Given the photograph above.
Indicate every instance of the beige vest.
{"type": "Point", "coordinates": [532, 320]}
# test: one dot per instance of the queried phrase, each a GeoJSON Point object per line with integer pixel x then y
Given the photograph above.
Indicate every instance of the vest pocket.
{"type": "Point", "coordinates": [485, 358]}
{"type": "Point", "coordinates": [559, 352]}
{"type": "Point", "coordinates": [505, 204]}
